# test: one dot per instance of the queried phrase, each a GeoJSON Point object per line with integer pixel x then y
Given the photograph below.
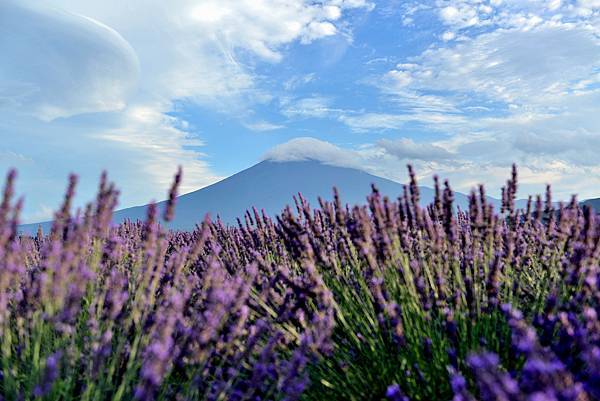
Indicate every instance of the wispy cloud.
{"type": "Point", "coordinates": [85, 66]}
{"type": "Point", "coordinates": [461, 87]}
{"type": "Point", "coordinates": [307, 148]}
{"type": "Point", "coordinates": [515, 67]}
{"type": "Point", "coordinates": [385, 158]}
{"type": "Point", "coordinates": [94, 88]}
{"type": "Point", "coordinates": [407, 149]}
{"type": "Point", "coordinates": [298, 81]}
{"type": "Point", "coordinates": [369, 122]}
{"type": "Point", "coordinates": [510, 81]}
{"type": "Point", "coordinates": [539, 83]}
{"type": "Point", "coordinates": [390, 160]}
{"type": "Point", "coordinates": [314, 106]}
{"type": "Point", "coordinates": [505, 82]}
{"type": "Point", "coordinates": [262, 126]}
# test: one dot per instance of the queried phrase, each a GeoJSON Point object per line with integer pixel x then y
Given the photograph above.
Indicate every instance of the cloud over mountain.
{"type": "Point", "coordinates": [58, 64]}
{"type": "Point", "coordinates": [89, 85]}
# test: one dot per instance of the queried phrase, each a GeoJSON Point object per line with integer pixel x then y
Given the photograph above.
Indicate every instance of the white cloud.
{"type": "Point", "coordinates": [448, 36]}
{"type": "Point", "coordinates": [298, 81]}
{"type": "Point", "coordinates": [407, 149]}
{"type": "Point", "coordinates": [387, 159]}
{"type": "Point", "coordinates": [309, 107]}
{"type": "Point", "coordinates": [358, 3]}
{"type": "Point", "coordinates": [200, 39]}
{"type": "Point", "coordinates": [39, 75]}
{"type": "Point", "coordinates": [371, 158]}
{"type": "Point", "coordinates": [262, 126]}
{"type": "Point", "coordinates": [464, 175]}
{"type": "Point", "coordinates": [588, 6]}
{"type": "Point", "coordinates": [158, 143]}
{"type": "Point", "coordinates": [316, 30]}
{"type": "Point", "coordinates": [374, 121]}
{"type": "Point", "coordinates": [554, 4]}
{"type": "Point", "coordinates": [526, 92]}
{"type": "Point", "coordinates": [306, 148]}
{"type": "Point", "coordinates": [513, 66]}
{"type": "Point", "coordinates": [140, 147]}
{"type": "Point", "coordinates": [522, 87]}
{"type": "Point", "coordinates": [459, 17]}
{"type": "Point", "coordinates": [467, 15]}
{"type": "Point", "coordinates": [366, 122]}
{"type": "Point", "coordinates": [105, 76]}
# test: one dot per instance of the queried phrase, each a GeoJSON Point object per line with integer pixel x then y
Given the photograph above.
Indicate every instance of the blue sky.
{"type": "Point", "coordinates": [461, 88]}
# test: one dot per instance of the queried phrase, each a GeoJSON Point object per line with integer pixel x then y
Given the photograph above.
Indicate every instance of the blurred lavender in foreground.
{"type": "Point", "coordinates": [386, 300]}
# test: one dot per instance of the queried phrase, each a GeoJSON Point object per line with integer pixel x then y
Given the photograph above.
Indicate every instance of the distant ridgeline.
{"type": "Point", "coordinates": [270, 186]}
{"type": "Point", "coordinates": [594, 203]}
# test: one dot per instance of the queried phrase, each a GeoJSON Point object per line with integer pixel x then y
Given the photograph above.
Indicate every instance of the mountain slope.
{"type": "Point", "coordinates": [270, 186]}
{"type": "Point", "coordinates": [594, 203]}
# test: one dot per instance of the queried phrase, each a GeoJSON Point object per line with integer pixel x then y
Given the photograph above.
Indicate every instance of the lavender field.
{"type": "Point", "coordinates": [385, 300]}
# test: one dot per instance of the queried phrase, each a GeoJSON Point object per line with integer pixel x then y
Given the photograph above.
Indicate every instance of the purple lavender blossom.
{"type": "Point", "coordinates": [314, 303]}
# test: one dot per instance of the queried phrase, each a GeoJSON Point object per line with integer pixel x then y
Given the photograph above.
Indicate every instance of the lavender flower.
{"type": "Point", "coordinates": [335, 302]}
{"type": "Point", "coordinates": [49, 375]}
{"type": "Point", "coordinates": [394, 393]}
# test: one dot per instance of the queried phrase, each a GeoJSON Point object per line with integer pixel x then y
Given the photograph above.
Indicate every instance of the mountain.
{"type": "Point", "coordinates": [594, 203]}
{"type": "Point", "coordinates": [271, 185]}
